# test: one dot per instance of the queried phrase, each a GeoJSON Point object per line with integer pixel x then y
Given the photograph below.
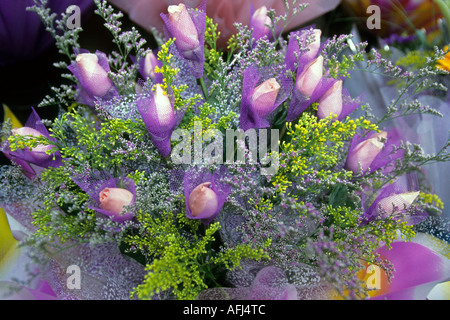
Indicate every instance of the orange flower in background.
{"type": "Point", "coordinates": [224, 12]}
{"type": "Point", "coordinates": [444, 64]}
{"type": "Point", "coordinates": [398, 16]}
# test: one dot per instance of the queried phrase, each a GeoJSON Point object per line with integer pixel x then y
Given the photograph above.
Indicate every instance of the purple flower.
{"type": "Point", "coordinates": [91, 70]}
{"type": "Point", "coordinates": [373, 152]}
{"type": "Point", "coordinates": [187, 26]}
{"type": "Point", "coordinates": [147, 67]}
{"type": "Point", "coordinates": [34, 160]}
{"type": "Point", "coordinates": [109, 195]}
{"type": "Point", "coordinates": [205, 193]}
{"type": "Point", "coordinates": [260, 23]}
{"type": "Point", "coordinates": [262, 94]}
{"type": "Point", "coordinates": [157, 112]}
{"type": "Point", "coordinates": [310, 52]}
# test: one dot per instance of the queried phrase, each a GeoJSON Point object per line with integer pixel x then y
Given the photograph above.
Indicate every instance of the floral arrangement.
{"type": "Point", "coordinates": [191, 172]}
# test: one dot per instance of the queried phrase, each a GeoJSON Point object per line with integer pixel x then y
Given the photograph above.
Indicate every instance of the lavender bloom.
{"type": "Point", "coordinates": [34, 160]}
{"type": "Point", "coordinates": [262, 93]}
{"type": "Point", "coordinates": [100, 186]}
{"type": "Point", "coordinates": [91, 70]}
{"type": "Point", "coordinates": [205, 206]}
{"type": "Point", "coordinates": [160, 118]}
{"type": "Point", "coordinates": [187, 26]}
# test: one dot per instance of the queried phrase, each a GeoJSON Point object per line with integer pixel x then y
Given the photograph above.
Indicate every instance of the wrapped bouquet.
{"type": "Point", "coordinates": [188, 171]}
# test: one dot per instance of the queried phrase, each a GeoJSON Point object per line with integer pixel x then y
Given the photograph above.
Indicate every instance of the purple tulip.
{"type": "Point", "coordinates": [187, 26]}
{"type": "Point", "coordinates": [108, 195]}
{"type": "Point", "coordinates": [331, 102]}
{"type": "Point", "coordinates": [147, 68]}
{"type": "Point", "coordinates": [160, 118]}
{"type": "Point", "coordinates": [35, 160]}
{"type": "Point", "coordinates": [261, 96]}
{"type": "Point", "coordinates": [364, 153]}
{"type": "Point", "coordinates": [308, 80]}
{"type": "Point", "coordinates": [260, 23]}
{"type": "Point", "coordinates": [203, 201]}
{"type": "Point", "coordinates": [302, 58]}
{"type": "Point", "coordinates": [91, 70]}
{"type": "Point", "coordinates": [205, 193]}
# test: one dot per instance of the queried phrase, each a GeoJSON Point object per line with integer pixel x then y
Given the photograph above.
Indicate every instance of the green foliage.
{"type": "Point", "coordinates": [315, 147]}
{"type": "Point", "coordinates": [184, 266]}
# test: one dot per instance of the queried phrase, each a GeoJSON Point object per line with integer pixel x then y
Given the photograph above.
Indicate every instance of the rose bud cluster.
{"type": "Point", "coordinates": [187, 27]}
{"type": "Point", "coordinates": [312, 84]}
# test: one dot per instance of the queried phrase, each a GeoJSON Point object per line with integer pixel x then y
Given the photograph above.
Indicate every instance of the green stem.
{"type": "Point", "coordinates": [203, 86]}
{"type": "Point", "coordinates": [445, 12]}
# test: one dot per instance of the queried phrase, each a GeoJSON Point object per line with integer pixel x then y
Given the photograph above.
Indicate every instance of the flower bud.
{"type": "Point", "coordinates": [115, 199]}
{"type": "Point", "coordinates": [365, 152]}
{"type": "Point", "coordinates": [203, 201]}
{"type": "Point", "coordinates": [93, 78]}
{"type": "Point", "coordinates": [183, 28]}
{"type": "Point", "coordinates": [331, 101]}
{"type": "Point", "coordinates": [148, 67]}
{"type": "Point", "coordinates": [38, 152]}
{"type": "Point", "coordinates": [399, 201]}
{"type": "Point", "coordinates": [314, 46]}
{"type": "Point", "coordinates": [164, 112]}
{"type": "Point", "coordinates": [264, 96]}
{"type": "Point", "coordinates": [259, 22]}
{"type": "Point", "coordinates": [310, 77]}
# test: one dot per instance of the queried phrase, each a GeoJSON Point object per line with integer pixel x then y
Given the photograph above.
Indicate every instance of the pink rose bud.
{"type": "Point", "coordinates": [259, 22]}
{"type": "Point", "coordinates": [310, 77]}
{"type": "Point", "coordinates": [37, 152]}
{"type": "Point", "coordinates": [314, 45]}
{"type": "Point", "coordinates": [148, 69]}
{"type": "Point", "coordinates": [365, 152]}
{"type": "Point", "coordinates": [183, 28]}
{"type": "Point", "coordinates": [115, 199]}
{"type": "Point", "coordinates": [264, 97]}
{"type": "Point", "coordinates": [203, 201]}
{"type": "Point", "coordinates": [94, 78]}
{"type": "Point", "coordinates": [165, 114]}
{"type": "Point", "coordinates": [331, 101]}
{"type": "Point", "coordinates": [399, 201]}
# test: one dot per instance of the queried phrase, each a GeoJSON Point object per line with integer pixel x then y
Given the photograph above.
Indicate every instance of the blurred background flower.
{"type": "Point", "coordinates": [400, 17]}
{"type": "Point", "coordinates": [224, 12]}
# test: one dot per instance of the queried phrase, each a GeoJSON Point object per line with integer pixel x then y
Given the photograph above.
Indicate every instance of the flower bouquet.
{"type": "Point", "coordinates": [189, 172]}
